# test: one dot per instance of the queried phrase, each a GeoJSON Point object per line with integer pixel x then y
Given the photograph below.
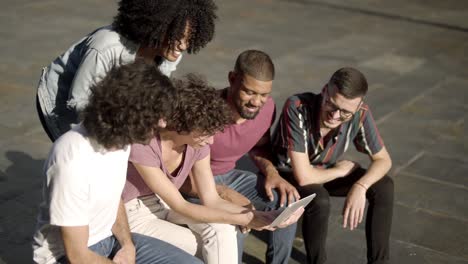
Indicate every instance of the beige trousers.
{"type": "Point", "coordinates": [215, 243]}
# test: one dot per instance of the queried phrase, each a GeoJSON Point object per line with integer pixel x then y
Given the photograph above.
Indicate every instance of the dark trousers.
{"type": "Point", "coordinates": [378, 218]}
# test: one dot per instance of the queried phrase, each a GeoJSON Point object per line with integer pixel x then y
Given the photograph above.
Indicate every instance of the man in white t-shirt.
{"type": "Point", "coordinates": [82, 218]}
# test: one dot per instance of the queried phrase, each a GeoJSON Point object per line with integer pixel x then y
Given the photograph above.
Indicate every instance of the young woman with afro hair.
{"type": "Point", "coordinates": [155, 30]}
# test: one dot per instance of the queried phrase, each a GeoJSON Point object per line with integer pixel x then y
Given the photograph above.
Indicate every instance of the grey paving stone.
{"type": "Point", "coordinates": [450, 12]}
{"type": "Point", "coordinates": [403, 252]}
{"type": "Point", "coordinates": [453, 60]}
{"type": "Point", "coordinates": [21, 166]}
{"type": "Point", "coordinates": [439, 233]}
{"type": "Point", "coordinates": [447, 170]}
{"type": "Point", "coordinates": [436, 197]}
{"type": "Point", "coordinates": [345, 246]}
{"type": "Point", "coordinates": [394, 63]}
{"type": "Point", "coordinates": [405, 49]}
{"type": "Point", "coordinates": [402, 90]}
{"type": "Point", "coordinates": [451, 147]}
{"type": "Point", "coordinates": [16, 253]}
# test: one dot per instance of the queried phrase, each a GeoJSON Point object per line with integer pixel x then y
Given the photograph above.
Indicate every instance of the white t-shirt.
{"type": "Point", "coordinates": [83, 186]}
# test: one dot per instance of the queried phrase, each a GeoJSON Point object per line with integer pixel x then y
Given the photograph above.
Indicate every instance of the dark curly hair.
{"type": "Point", "coordinates": [199, 107]}
{"type": "Point", "coordinates": [158, 23]}
{"type": "Point", "coordinates": [125, 107]}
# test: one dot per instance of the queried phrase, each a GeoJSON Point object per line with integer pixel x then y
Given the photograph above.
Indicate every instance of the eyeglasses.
{"type": "Point", "coordinates": [332, 107]}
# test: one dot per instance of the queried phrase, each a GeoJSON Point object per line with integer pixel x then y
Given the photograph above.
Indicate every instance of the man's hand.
{"type": "Point", "coordinates": [284, 188]}
{"type": "Point", "coordinates": [121, 231]}
{"type": "Point", "coordinates": [345, 167]}
{"type": "Point", "coordinates": [125, 255]}
{"type": "Point", "coordinates": [353, 210]}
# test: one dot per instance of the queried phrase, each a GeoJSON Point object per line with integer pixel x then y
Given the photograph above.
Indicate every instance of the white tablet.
{"type": "Point", "coordinates": [288, 211]}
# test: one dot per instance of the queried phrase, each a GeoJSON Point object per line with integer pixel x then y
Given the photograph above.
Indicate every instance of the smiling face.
{"type": "Point", "coordinates": [247, 95]}
{"type": "Point", "coordinates": [172, 53]}
{"type": "Point", "coordinates": [337, 109]}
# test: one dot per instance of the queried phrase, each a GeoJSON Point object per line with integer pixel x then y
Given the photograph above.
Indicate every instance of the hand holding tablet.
{"type": "Point", "coordinates": [291, 209]}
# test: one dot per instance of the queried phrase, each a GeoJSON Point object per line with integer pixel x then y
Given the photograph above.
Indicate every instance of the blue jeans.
{"type": "Point", "coordinates": [280, 241]}
{"type": "Point", "coordinates": [148, 251]}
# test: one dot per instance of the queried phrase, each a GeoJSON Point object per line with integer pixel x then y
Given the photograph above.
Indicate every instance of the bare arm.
{"type": "Point", "coordinates": [158, 182]}
{"type": "Point", "coordinates": [228, 194]}
{"type": "Point", "coordinates": [204, 182]}
{"type": "Point", "coordinates": [121, 231]}
{"type": "Point", "coordinates": [208, 192]}
{"type": "Point", "coordinates": [380, 165]}
{"type": "Point", "coordinates": [75, 240]}
{"type": "Point", "coordinates": [233, 196]}
{"type": "Point", "coordinates": [260, 154]}
{"type": "Point", "coordinates": [353, 210]}
{"type": "Point", "coordinates": [306, 174]}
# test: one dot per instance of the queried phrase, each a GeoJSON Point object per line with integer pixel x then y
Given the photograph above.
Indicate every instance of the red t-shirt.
{"type": "Point", "coordinates": [238, 139]}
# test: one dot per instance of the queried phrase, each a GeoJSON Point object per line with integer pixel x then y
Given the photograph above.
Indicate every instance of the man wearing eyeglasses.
{"type": "Point", "coordinates": [313, 133]}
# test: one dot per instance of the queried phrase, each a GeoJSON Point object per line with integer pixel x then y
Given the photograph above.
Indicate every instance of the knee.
{"type": "Point", "coordinates": [271, 204]}
{"type": "Point", "coordinates": [382, 191]}
{"type": "Point", "coordinates": [225, 231]}
{"type": "Point", "coordinates": [321, 202]}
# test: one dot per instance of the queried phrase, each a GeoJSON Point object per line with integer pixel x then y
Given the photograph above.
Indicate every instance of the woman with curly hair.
{"type": "Point", "coordinates": [156, 30]}
{"type": "Point", "coordinates": [82, 218]}
{"type": "Point", "coordinates": [157, 171]}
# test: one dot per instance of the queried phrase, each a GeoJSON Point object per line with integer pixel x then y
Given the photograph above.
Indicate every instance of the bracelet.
{"type": "Point", "coordinates": [362, 185]}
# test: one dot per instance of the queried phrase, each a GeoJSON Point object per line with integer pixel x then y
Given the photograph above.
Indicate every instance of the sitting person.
{"type": "Point", "coordinates": [313, 133]}
{"type": "Point", "coordinates": [248, 96]}
{"type": "Point", "coordinates": [157, 171]}
{"type": "Point", "coordinates": [82, 218]}
{"type": "Point", "coordinates": [156, 30]}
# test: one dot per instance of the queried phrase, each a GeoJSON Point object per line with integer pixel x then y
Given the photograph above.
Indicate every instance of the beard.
{"type": "Point", "coordinates": [245, 113]}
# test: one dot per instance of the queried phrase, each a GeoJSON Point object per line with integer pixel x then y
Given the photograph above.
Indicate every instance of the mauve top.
{"type": "Point", "coordinates": [151, 155]}
{"type": "Point", "coordinates": [238, 139]}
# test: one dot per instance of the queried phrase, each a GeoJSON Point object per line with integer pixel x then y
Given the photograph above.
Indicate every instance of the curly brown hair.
{"type": "Point", "coordinates": [199, 107]}
{"type": "Point", "coordinates": [125, 107]}
{"type": "Point", "coordinates": [158, 23]}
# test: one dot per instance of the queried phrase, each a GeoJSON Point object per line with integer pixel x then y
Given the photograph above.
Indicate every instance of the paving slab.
{"type": "Point", "coordinates": [449, 171]}
{"type": "Point", "coordinates": [436, 197]}
{"type": "Point", "coordinates": [437, 232]}
{"type": "Point", "coordinates": [414, 54]}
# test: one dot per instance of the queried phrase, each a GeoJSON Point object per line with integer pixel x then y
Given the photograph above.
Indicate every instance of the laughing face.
{"type": "Point", "coordinates": [172, 53]}
{"type": "Point", "coordinates": [248, 95]}
{"type": "Point", "coordinates": [337, 109]}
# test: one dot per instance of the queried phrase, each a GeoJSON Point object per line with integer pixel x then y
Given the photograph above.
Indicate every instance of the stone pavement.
{"type": "Point", "coordinates": [414, 53]}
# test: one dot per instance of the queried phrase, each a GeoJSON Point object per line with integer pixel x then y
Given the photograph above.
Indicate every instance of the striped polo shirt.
{"type": "Point", "coordinates": [299, 130]}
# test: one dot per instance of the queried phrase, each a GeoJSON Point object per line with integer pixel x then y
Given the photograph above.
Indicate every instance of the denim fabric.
{"type": "Point", "coordinates": [148, 251]}
{"type": "Point", "coordinates": [252, 186]}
